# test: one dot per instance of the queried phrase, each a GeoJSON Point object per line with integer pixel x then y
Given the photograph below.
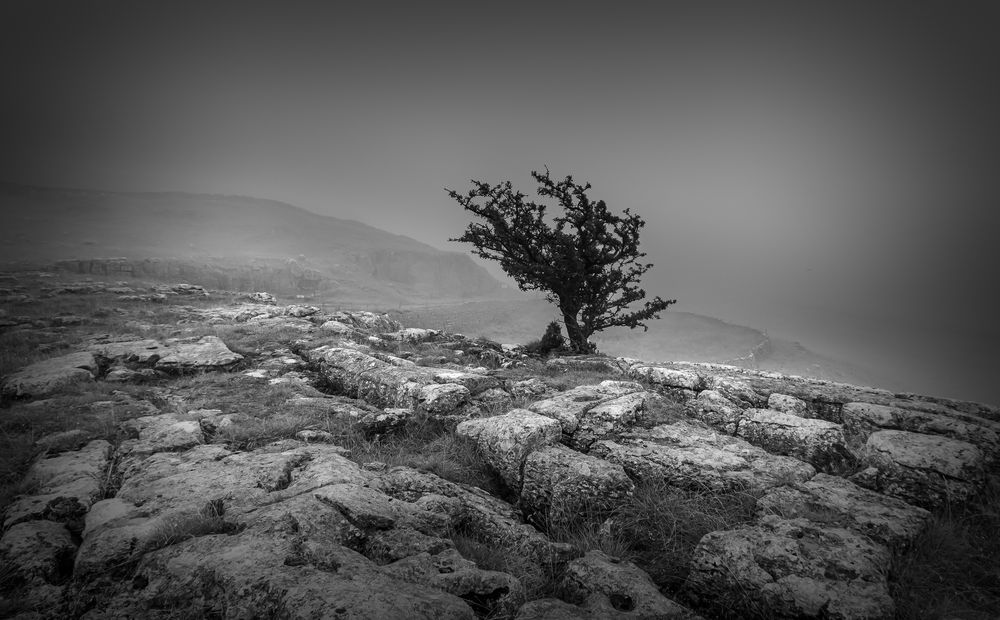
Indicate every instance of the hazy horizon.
{"type": "Point", "coordinates": [826, 173]}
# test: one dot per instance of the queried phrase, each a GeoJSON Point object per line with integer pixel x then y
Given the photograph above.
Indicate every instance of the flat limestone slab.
{"type": "Point", "coordinates": [51, 375]}
{"type": "Point", "coordinates": [925, 470]}
{"type": "Point", "coordinates": [505, 441]}
{"type": "Point", "coordinates": [818, 442]}
{"type": "Point", "coordinates": [693, 457]}
{"type": "Point", "coordinates": [836, 501]}
{"type": "Point", "coordinates": [208, 353]}
{"type": "Point", "coordinates": [793, 568]}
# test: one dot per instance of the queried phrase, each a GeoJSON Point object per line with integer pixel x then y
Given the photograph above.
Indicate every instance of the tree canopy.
{"type": "Point", "coordinates": [585, 258]}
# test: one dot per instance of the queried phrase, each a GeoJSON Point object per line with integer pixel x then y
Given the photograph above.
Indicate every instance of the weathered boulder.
{"type": "Point", "coordinates": [863, 419]}
{"type": "Point", "coordinates": [363, 376]}
{"type": "Point", "coordinates": [51, 375]}
{"type": "Point", "coordinates": [475, 511]}
{"type": "Point", "coordinates": [926, 470]}
{"type": "Point", "coordinates": [818, 442]}
{"type": "Point", "coordinates": [716, 410]}
{"type": "Point", "coordinates": [368, 321]}
{"type": "Point", "coordinates": [788, 404]}
{"type": "Point", "coordinates": [301, 311]}
{"type": "Point", "coordinates": [668, 377]}
{"type": "Point", "coordinates": [569, 406]}
{"type": "Point", "coordinates": [832, 500]}
{"type": "Point", "coordinates": [529, 388]}
{"type": "Point", "coordinates": [689, 456]}
{"type": "Point", "coordinates": [505, 441]}
{"type": "Point", "coordinates": [442, 397]}
{"type": "Point", "coordinates": [792, 568]}
{"type": "Point", "coordinates": [208, 353]}
{"type": "Point", "coordinates": [412, 334]}
{"type": "Point", "coordinates": [171, 486]}
{"type": "Point", "coordinates": [65, 486]}
{"type": "Point", "coordinates": [144, 351]}
{"type": "Point", "coordinates": [37, 557]}
{"type": "Point", "coordinates": [609, 588]}
{"type": "Point", "coordinates": [735, 389]}
{"type": "Point", "coordinates": [337, 327]}
{"type": "Point", "coordinates": [166, 432]}
{"type": "Point", "coordinates": [449, 572]}
{"type": "Point", "coordinates": [276, 572]}
{"type": "Point", "coordinates": [474, 382]}
{"type": "Point", "coordinates": [613, 417]}
{"type": "Point", "coordinates": [560, 485]}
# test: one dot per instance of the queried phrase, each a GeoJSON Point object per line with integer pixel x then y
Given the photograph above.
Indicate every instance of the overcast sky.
{"type": "Point", "coordinates": [816, 169]}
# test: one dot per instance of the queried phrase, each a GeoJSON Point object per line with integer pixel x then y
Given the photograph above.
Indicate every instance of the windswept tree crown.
{"type": "Point", "coordinates": [586, 259]}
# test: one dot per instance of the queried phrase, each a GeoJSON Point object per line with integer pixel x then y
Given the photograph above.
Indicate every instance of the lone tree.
{"type": "Point", "coordinates": [586, 260]}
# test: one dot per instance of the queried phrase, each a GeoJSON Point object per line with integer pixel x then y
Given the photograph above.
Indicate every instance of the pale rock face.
{"type": "Point", "coordinates": [442, 397]}
{"type": "Point", "coordinates": [474, 382]}
{"type": "Point", "coordinates": [817, 442]}
{"type": "Point", "coordinates": [51, 375]}
{"type": "Point", "coordinates": [560, 484]}
{"type": "Point", "coordinates": [863, 419]}
{"type": "Point", "coordinates": [788, 404]}
{"type": "Point", "coordinates": [716, 410]}
{"type": "Point", "coordinates": [612, 417]}
{"type": "Point", "coordinates": [66, 486]}
{"type": "Point", "coordinates": [449, 572]}
{"type": "Point", "coordinates": [208, 353]}
{"type": "Point", "coordinates": [832, 500]}
{"type": "Point", "coordinates": [262, 298]}
{"type": "Point", "coordinates": [669, 377]}
{"type": "Point", "coordinates": [505, 441]}
{"type": "Point", "coordinates": [134, 351]}
{"type": "Point", "coordinates": [926, 470]}
{"type": "Point", "coordinates": [736, 390]}
{"type": "Point", "coordinates": [336, 327]}
{"type": "Point", "coordinates": [37, 552]}
{"type": "Point", "coordinates": [413, 334]}
{"type": "Point", "coordinates": [161, 433]}
{"type": "Point", "coordinates": [796, 568]}
{"type": "Point", "coordinates": [569, 406]}
{"type": "Point", "coordinates": [686, 456]}
{"type": "Point", "coordinates": [529, 388]}
{"type": "Point", "coordinates": [301, 311]}
{"type": "Point", "coordinates": [277, 574]}
{"type": "Point", "coordinates": [609, 587]}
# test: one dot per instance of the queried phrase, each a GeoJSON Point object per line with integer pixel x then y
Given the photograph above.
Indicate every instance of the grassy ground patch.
{"type": "Point", "coordinates": [952, 570]}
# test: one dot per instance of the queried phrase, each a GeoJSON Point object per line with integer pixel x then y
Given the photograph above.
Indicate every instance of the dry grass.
{"type": "Point", "coordinates": [663, 525]}
{"type": "Point", "coordinates": [952, 570]}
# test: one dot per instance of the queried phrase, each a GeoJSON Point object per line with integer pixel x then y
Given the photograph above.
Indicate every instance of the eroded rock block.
{"type": "Point", "coordinates": [569, 406]}
{"type": "Point", "coordinates": [608, 587]}
{"type": "Point", "coordinates": [505, 441]}
{"type": "Point", "coordinates": [832, 500]}
{"type": "Point", "coordinates": [925, 470]}
{"type": "Point", "coordinates": [714, 409]}
{"type": "Point", "coordinates": [65, 486]}
{"type": "Point", "coordinates": [51, 375]}
{"type": "Point", "coordinates": [794, 569]}
{"type": "Point", "coordinates": [689, 456]}
{"type": "Point", "coordinates": [442, 397]}
{"type": "Point", "coordinates": [818, 442]}
{"type": "Point", "coordinates": [863, 419]}
{"type": "Point", "coordinates": [561, 485]}
{"type": "Point", "coordinates": [208, 353]}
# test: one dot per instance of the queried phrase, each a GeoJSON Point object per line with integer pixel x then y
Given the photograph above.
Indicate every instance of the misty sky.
{"type": "Point", "coordinates": [825, 171]}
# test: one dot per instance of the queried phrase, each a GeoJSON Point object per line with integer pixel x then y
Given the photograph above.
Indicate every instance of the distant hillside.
{"type": "Point", "coordinates": [196, 235]}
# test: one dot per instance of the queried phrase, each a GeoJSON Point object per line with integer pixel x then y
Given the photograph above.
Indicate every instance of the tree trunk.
{"type": "Point", "coordinates": [576, 334]}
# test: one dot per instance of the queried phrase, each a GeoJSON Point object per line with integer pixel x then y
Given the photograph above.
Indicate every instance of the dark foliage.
{"type": "Point", "coordinates": [586, 260]}
{"type": "Point", "coordinates": [551, 341]}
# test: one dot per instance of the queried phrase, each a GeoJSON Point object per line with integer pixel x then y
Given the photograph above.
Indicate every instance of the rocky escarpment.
{"type": "Point", "coordinates": [171, 519]}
